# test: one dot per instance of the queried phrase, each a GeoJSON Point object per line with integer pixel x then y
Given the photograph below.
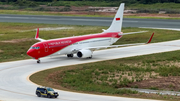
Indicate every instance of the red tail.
{"type": "Point", "coordinates": [37, 34]}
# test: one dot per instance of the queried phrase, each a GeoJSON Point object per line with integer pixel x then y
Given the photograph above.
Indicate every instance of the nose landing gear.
{"type": "Point", "coordinates": [38, 61]}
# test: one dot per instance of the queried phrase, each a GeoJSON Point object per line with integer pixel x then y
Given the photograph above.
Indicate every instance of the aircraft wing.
{"type": "Point", "coordinates": [115, 46]}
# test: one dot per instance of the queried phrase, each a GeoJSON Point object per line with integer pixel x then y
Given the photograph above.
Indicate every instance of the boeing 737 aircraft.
{"type": "Point", "coordinates": [84, 45]}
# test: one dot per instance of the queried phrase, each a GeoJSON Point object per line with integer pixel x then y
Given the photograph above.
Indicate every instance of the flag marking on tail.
{"type": "Point", "coordinates": [118, 19]}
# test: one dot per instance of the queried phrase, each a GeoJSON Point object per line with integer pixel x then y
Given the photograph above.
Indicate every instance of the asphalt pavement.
{"type": "Point", "coordinates": [15, 86]}
{"type": "Point", "coordinates": [92, 21]}
{"type": "Point", "coordinates": [14, 83]}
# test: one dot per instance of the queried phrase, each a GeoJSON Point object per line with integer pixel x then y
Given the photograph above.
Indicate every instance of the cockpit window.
{"type": "Point", "coordinates": [34, 47]}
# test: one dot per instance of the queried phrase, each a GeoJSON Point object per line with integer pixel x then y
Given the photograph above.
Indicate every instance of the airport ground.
{"type": "Point", "coordinates": [93, 9]}
{"type": "Point", "coordinates": [16, 38]}
{"type": "Point", "coordinates": [93, 14]}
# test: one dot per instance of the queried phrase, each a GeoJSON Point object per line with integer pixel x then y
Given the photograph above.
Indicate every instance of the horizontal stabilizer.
{"type": "Point", "coordinates": [132, 33]}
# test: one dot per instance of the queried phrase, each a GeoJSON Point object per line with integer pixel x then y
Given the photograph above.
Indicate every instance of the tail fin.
{"type": "Point", "coordinates": [37, 36]}
{"type": "Point", "coordinates": [116, 24]}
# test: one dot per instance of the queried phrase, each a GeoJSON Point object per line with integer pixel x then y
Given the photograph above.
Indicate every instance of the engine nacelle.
{"type": "Point", "coordinates": [84, 53]}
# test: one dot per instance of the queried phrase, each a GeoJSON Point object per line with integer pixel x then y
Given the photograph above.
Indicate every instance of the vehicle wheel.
{"type": "Point", "coordinates": [55, 96]}
{"type": "Point", "coordinates": [38, 94]}
{"type": "Point", "coordinates": [49, 96]}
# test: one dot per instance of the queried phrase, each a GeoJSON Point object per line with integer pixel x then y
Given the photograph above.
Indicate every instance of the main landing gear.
{"type": "Point", "coordinates": [38, 61]}
{"type": "Point", "coordinates": [70, 55]}
{"type": "Point", "coordinates": [90, 57]}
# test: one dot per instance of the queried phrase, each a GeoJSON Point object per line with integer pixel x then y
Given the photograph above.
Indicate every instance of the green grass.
{"type": "Point", "coordinates": [101, 76]}
{"type": "Point", "coordinates": [17, 50]}
{"type": "Point", "coordinates": [23, 40]}
{"type": "Point", "coordinates": [24, 12]}
{"type": "Point", "coordinates": [171, 8]}
{"type": "Point", "coordinates": [107, 76]}
{"type": "Point", "coordinates": [87, 3]}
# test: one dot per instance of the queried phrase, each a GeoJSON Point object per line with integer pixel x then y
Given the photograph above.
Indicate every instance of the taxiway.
{"type": "Point", "coordinates": [15, 86]}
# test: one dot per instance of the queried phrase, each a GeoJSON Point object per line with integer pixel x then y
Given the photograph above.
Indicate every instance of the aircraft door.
{"type": "Point", "coordinates": [46, 47]}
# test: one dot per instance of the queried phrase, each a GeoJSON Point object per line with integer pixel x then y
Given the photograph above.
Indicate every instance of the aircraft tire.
{"type": "Point", "coordinates": [70, 55]}
{"type": "Point", "coordinates": [38, 61]}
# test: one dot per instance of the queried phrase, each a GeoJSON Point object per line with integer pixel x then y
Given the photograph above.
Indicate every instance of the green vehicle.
{"type": "Point", "coordinates": [46, 92]}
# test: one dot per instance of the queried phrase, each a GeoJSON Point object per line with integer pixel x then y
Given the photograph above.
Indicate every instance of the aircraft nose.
{"type": "Point", "coordinates": [30, 53]}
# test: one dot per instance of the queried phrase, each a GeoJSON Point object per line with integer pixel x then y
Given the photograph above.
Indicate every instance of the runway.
{"type": "Point", "coordinates": [93, 21]}
{"type": "Point", "coordinates": [14, 84]}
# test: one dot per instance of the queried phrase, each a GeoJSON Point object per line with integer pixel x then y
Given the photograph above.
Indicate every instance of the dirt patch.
{"type": "Point", "coordinates": [108, 11]}
{"type": "Point", "coordinates": [1, 51]}
{"type": "Point", "coordinates": [165, 83]}
{"type": "Point", "coordinates": [18, 40]}
{"type": "Point", "coordinates": [53, 77]}
{"type": "Point", "coordinates": [171, 63]}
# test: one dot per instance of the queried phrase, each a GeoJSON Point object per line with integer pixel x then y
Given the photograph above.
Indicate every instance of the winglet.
{"type": "Point", "coordinates": [37, 34]}
{"type": "Point", "coordinates": [150, 38]}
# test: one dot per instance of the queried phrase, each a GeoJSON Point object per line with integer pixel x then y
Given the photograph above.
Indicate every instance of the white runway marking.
{"type": "Point", "coordinates": [101, 20]}
{"type": "Point", "coordinates": [15, 86]}
{"type": "Point", "coordinates": [175, 29]}
{"type": "Point", "coordinates": [61, 19]}
{"type": "Point", "coordinates": [48, 29]}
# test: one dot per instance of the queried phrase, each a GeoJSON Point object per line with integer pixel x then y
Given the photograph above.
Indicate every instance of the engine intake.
{"type": "Point", "coordinates": [84, 53]}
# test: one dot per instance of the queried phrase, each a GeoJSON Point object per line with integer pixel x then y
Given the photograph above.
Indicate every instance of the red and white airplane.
{"type": "Point", "coordinates": [84, 45]}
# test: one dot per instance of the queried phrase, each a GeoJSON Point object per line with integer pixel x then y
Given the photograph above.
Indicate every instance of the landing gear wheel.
{"type": "Point", "coordinates": [69, 55]}
{"type": "Point", "coordinates": [90, 57]}
{"type": "Point", "coordinates": [38, 61]}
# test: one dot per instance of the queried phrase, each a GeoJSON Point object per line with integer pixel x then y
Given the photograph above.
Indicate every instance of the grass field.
{"type": "Point", "coordinates": [24, 12]}
{"type": "Point", "coordinates": [170, 8]}
{"type": "Point", "coordinates": [16, 38]}
{"type": "Point", "coordinates": [107, 76]}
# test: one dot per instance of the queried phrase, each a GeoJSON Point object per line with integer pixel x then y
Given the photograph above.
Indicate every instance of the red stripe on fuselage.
{"type": "Point", "coordinates": [55, 45]}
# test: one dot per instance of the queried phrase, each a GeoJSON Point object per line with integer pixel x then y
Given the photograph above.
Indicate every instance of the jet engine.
{"type": "Point", "coordinates": [84, 53]}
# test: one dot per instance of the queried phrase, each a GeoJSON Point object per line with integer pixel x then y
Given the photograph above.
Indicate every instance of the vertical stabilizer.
{"type": "Point", "coordinates": [116, 24]}
{"type": "Point", "coordinates": [37, 36]}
